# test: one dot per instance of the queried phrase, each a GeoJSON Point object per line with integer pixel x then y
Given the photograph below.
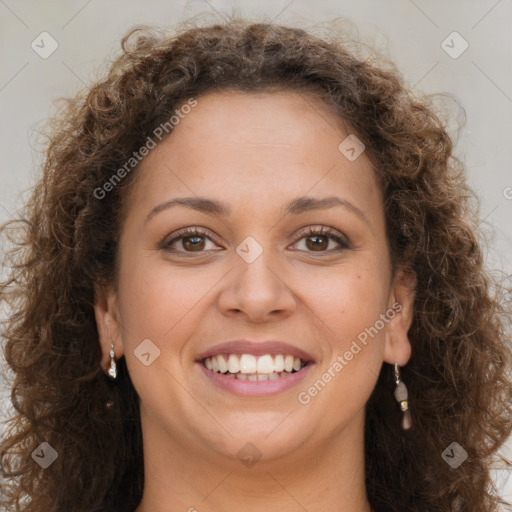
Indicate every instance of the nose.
{"type": "Point", "coordinates": [257, 291]}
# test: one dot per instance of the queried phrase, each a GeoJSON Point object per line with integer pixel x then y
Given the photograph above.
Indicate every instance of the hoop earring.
{"type": "Point", "coordinates": [401, 396]}
{"type": "Point", "coordinates": [112, 371]}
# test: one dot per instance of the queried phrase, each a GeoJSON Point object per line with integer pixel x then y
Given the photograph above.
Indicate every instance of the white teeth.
{"type": "Point", "coordinates": [233, 363]}
{"type": "Point", "coordinates": [278, 363]}
{"type": "Point", "coordinates": [254, 368]}
{"type": "Point", "coordinates": [248, 363]}
{"type": "Point", "coordinates": [223, 366]}
{"type": "Point", "coordinates": [265, 364]}
{"type": "Point", "coordinates": [257, 376]}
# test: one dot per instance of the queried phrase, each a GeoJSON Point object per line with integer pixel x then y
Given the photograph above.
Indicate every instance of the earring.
{"type": "Point", "coordinates": [112, 371]}
{"type": "Point", "coordinates": [401, 396]}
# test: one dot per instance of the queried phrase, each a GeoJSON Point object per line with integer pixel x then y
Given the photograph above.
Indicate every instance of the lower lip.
{"type": "Point", "coordinates": [257, 388]}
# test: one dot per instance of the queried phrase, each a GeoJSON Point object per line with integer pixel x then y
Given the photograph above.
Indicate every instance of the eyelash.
{"type": "Point", "coordinates": [311, 231]}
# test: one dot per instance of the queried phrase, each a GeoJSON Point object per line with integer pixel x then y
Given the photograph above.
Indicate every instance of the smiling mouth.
{"type": "Point", "coordinates": [254, 368]}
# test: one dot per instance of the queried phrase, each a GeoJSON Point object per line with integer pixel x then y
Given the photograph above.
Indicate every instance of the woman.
{"type": "Point", "coordinates": [251, 279]}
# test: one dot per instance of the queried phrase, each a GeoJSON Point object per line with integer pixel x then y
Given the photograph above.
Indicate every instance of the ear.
{"type": "Point", "coordinates": [397, 347]}
{"type": "Point", "coordinates": [107, 321]}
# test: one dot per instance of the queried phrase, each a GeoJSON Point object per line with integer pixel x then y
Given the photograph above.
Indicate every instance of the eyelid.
{"type": "Point", "coordinates": [188, 231]}
{"type": "Point", "coordinates": [312, 230]}
{"type": "Point", "coordinates": [321, 230]}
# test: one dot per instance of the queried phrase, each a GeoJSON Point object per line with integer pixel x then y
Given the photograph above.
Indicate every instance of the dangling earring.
{"type": "Point", "coordinates": [112, 371]}
{"type": "Point", "coordinates": [401, 396]}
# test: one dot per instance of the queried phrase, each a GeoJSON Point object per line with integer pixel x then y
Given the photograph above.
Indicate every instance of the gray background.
{"type": "Point", "coordinates": [409, 32]}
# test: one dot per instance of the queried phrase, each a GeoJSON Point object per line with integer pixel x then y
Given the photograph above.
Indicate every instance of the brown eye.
{"type": "Point", "coordinates": [193, 240]}
{"type": "Point", "coordinates": [318, 239]}
{"type": "Point", "coordinates": [317, 242]}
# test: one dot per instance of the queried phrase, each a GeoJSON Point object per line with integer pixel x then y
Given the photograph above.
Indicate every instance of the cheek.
{"type": "Point", "coordinates": [159, 300]}
{"type": "Point", "coordinates": [352, 293]}
{"type": "Point", "coordinates": [349, 303]}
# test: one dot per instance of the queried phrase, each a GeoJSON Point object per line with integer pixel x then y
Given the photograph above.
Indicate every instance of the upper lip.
{"type": "Point", "coordinates": [256, 348]}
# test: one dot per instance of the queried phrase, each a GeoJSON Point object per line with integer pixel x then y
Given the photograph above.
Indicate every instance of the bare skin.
{"type": "Point", "coordinates": [255, 153]}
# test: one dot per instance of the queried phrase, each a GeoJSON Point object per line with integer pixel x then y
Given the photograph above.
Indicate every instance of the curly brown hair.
{"type": "Point", "coordinates": [457, 376]}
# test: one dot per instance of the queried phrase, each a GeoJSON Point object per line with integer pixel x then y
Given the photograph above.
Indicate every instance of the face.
{"type": "Point", "coordinates": [282, 278]}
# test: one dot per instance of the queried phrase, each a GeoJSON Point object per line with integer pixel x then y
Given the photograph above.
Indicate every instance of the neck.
{"type": "Point", "coordinates": [328, 476]}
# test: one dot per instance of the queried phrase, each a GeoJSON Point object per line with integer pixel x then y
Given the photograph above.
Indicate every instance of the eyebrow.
{"type": "Point", "coordinates": [294, 207]}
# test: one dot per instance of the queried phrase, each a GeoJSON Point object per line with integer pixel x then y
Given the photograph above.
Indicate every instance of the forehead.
{"type": "Point", "coordinates": [256, 148]}
{"type": "Point", "coordinates": [246, 121]}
